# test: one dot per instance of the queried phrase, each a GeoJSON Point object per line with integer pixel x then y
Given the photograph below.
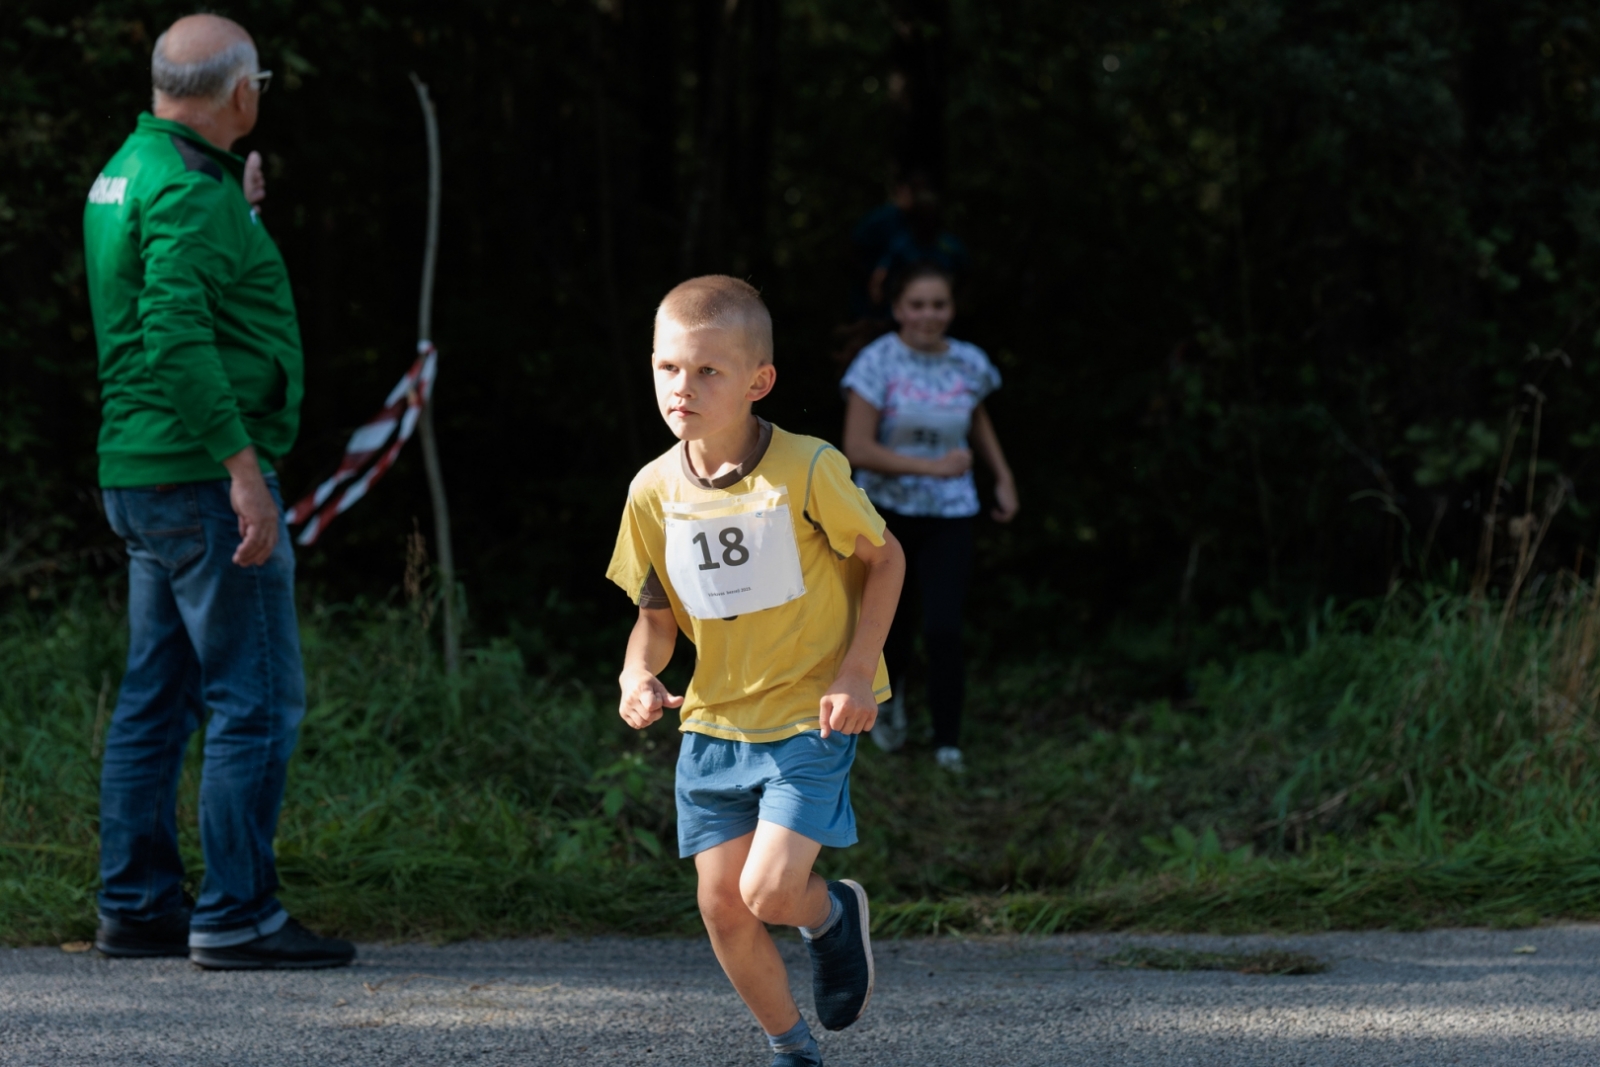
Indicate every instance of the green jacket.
{"type": "Point", "coordinates": [199, 345]}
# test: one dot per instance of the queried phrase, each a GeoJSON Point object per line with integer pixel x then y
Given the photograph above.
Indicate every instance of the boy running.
{"type": "Point", "coordinates": [755, 542]}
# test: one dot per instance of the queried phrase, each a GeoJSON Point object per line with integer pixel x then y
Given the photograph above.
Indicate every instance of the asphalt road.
{"type": "Point", "coordinates": [1444, 997]}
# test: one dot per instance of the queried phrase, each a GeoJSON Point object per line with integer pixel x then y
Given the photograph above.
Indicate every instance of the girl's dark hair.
{"type": "Point", "coordinates": [916, 272]}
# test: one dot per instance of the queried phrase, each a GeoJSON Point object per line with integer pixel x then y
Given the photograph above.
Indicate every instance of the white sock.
{"type": "Point", "coordinates": [835, 913]}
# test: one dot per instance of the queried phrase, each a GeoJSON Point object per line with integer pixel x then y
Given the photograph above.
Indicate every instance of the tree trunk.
{"type": "Point", "coordinates": [919, 86]}
{"type": "Point", "coordinates": [606, 211]}
{"type": "Point", "coordinates": [752, 181]}
{"type": "Point", "coordinates": [653, 26]}
{"type": "Point", "coordinates": [715, 30]}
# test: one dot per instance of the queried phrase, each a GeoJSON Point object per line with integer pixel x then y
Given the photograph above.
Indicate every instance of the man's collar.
{"type": "Point", "coordinates": [151, 124]}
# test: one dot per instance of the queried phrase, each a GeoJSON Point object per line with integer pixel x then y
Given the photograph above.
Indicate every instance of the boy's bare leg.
{"type": "Point", "coordinates": [762, 877]}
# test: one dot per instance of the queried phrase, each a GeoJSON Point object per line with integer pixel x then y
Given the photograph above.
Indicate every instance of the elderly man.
{"type": "Point", "coordinates": [200, 382]}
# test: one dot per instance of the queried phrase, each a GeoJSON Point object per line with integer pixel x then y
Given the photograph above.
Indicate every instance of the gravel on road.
{"type": "Point", "coordinates": [1466, 997]}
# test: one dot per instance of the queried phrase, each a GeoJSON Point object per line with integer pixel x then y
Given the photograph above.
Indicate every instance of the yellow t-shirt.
{"type": "Point", "coordinates": [761, 575]}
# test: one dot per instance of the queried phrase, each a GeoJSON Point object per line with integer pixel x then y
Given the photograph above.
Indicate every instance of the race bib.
{"type": "Point", "coordinates": [733, 556]}
{"type": "Point", "coordinates": [928, 432]}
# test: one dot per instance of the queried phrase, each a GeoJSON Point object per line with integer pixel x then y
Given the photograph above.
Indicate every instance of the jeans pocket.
{"type": "Point", "coordinates": [111, 504]}
{"type": "Point", "coordinates": [165, 523]}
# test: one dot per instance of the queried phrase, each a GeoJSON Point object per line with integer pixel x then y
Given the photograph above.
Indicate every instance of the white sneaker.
{"type": "Point", "coordinates": [889, 732]}
{"type": "Point", "coordinates": [949, 757]}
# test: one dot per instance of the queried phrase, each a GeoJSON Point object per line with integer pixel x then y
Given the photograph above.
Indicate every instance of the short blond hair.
{"type": "Point", "coordinates": [719, 302]}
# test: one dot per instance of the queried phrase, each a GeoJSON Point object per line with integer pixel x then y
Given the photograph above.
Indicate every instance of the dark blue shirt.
{"type": "Point", "coordinates": [946, 252]}
{"type": "Point", "coordinates": [871, 238]}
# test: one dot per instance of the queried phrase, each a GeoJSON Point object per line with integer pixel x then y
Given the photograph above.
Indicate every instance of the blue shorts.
{"type": "Point", "coordinates": [802, 784]}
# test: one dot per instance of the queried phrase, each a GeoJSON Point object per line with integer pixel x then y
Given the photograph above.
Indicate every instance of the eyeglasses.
{"type": "Point", "coordinates": [260, 79]}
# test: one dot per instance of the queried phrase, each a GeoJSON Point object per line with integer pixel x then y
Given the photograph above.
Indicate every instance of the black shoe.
{"type": "Point", "coordinates": [167, 935]}
{"type": "Point", "coordinates": [795, 1059]}
{"type": "Point", "coordinates": [841, 960]}
{"type": "Point", "coordinates": [292, 947]}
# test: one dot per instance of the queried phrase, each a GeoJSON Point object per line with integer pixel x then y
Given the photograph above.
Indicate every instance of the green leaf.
{"type": "Point", "coordinates": [647, 841]}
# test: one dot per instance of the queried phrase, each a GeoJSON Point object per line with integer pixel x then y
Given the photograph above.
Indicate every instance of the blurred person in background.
{"type": "Point", "coordinates": [870, 240]}
{"type": "Point", "coordinates": [898, 234]}
{"type": "Point", "coordinates": [201, 378]}
{"type": "Point", "coordinates": [914, 419]}
{"type": "Point", "coordinates": [922, 240]}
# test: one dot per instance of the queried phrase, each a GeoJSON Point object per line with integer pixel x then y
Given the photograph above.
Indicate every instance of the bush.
{"type": "Point", "coordinates": [1410, 764]}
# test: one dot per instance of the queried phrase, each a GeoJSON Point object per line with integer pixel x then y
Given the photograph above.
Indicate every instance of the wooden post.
{"type": "Point", "coordinates": [430, 446]}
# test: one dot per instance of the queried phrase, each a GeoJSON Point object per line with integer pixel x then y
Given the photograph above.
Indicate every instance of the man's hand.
{"type": "Point", "coordinates": [848, 707]}
{"type": "Point", "coordinates": [643, 698]}
{"type": "Point", "coordinates": [255, 182]}
{"type": "Point", "coordinates": [257, 511]}
{"type": "Point", "coordinates": [955, 462]}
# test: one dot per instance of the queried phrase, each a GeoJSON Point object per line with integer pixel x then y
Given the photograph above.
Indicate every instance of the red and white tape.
{"type": "Point", "coordinates": [383, 435]}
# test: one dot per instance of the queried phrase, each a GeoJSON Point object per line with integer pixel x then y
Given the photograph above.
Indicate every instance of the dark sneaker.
{"type": "Point", "coordinates": [167, 935]}
{"type": "Point", "coordinates": [841, 960]}
{"type": "Point", "coordinates": [292, 947]}
{"type": "Point", "coordinates": [795, 1059]}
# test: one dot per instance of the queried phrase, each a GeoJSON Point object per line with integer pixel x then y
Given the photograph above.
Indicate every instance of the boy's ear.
{"type": "Point", "coordinates": [761, 384]}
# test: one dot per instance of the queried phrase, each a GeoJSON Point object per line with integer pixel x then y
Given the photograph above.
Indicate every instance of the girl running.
{"type": "Point", "coordinates": [913, 420]}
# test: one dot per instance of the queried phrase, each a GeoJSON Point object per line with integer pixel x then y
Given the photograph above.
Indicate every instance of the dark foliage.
{"type": "Point", "coordinates": [1268, 281]}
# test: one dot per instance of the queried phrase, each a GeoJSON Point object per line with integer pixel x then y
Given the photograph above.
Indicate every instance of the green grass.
{"type": "Point", "coordinates": [1406, 765]}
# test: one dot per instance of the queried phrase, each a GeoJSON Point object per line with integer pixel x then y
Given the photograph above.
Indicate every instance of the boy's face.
{"type": "Point", "coordinates": [706, 379]}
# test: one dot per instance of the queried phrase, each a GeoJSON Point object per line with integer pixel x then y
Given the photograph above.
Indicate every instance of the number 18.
{"type": "Point", "coordinates": [734, 554]}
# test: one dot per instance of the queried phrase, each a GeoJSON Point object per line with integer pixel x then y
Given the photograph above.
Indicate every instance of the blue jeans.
{"type": "Point", "coordinates": [205, 635]}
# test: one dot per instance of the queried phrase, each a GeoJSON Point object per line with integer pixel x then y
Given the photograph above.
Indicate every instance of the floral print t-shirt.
{"type": "Point", "coordinates": [926, 403]}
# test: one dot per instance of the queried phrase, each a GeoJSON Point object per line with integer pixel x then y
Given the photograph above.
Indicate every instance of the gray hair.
{"type": "Point", "coordinates": [212, 78]}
